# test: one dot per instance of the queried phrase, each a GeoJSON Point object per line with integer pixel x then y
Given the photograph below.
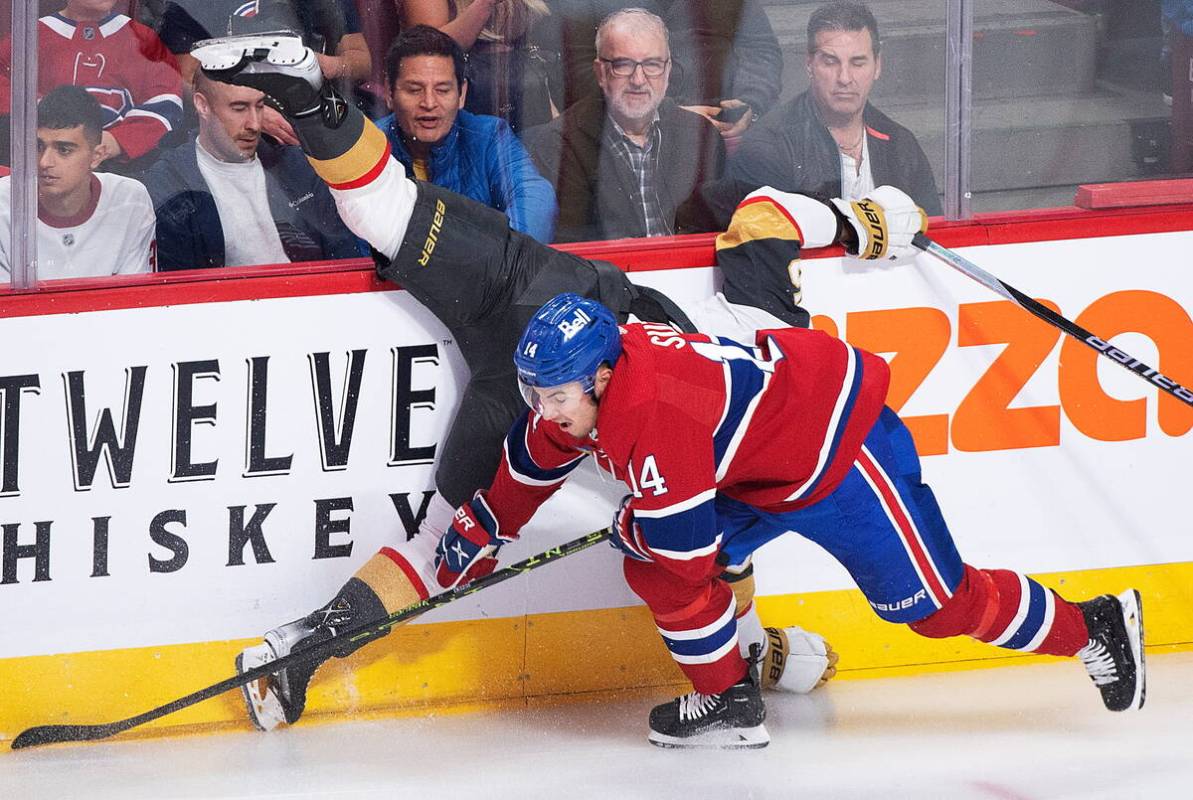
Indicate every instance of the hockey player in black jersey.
{"type": "Point", "coordinates": [484, 281]}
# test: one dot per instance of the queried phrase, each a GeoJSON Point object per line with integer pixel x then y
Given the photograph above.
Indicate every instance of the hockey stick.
{"type": "Point", "coordinates": [967, 267]}
{"type": "Point", "coordinates": [51, 734]}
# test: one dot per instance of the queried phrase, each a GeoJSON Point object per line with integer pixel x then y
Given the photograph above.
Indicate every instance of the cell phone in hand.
{"type": "Point", "coordinates": [732, 114]}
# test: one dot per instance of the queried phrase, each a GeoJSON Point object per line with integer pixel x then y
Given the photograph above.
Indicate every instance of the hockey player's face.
{"type": "Point", "coordinates": [843, 67]}
{"type": "Point", "coordinates": [65, 159]}
{"type": "Point", "coordinates": [635, 97]}
{"type": "Point", "coordinates": [570, 407]}
{"type": "Point", "coordinates": [426, 97]}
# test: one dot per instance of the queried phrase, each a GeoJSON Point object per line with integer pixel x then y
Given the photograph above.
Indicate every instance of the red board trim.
{"type": "Point", "coordinates": [633, 255]}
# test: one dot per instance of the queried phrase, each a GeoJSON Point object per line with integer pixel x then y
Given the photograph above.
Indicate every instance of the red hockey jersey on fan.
{"type": "Point", "coordinates": [776, 426]}
{"type": "Point", "coordinates": [122, 63]}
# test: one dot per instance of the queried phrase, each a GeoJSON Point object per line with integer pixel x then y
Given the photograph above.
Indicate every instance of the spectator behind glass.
{"type": "Point", "coordinates": [623, 162]}
{"type": "Point", "coordinates": [121, 62]}
{"type": "Point", "coordinates": [830, 140]}
{"type": "Point", "coordinates": [87, 224]}
{"type": "Point", "coordinates": [229, 198]}
{"type": "Point", "coordinates": [473, 154]}
{"type": "Point", "coordinates": [726, 60]}
{"type": "Point", "coordinates": [507, 74]}
{"type": "Point", "coordinates": [329, 27]}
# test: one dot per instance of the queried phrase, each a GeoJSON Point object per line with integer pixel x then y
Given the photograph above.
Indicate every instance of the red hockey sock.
{"type": "Point", "coordinates": [1009, 610]}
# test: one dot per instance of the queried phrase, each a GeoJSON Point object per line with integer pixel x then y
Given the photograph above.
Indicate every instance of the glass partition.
{"type": "Point", "coordinates": [641, 133]}
{"type": "Point", "coordinates": [906, 117]}
{"type": "Point", "coordinates": [1067, 92]}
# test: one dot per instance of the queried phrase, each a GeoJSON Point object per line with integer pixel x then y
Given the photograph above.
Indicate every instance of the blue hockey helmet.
{"type": "Point", "coordinates": [565, 341]}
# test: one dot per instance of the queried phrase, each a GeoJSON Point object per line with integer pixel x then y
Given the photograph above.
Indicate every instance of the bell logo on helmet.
{"type": "Point", "coordinates": [566, 341]}
{"type": "Point", "coordinates": [570, 328]}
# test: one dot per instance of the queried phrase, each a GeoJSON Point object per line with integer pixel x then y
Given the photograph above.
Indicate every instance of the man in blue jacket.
{"type": "Point", "coordinates": [475, 155]}
{"type": "Point", "coordinates": [229, 198]}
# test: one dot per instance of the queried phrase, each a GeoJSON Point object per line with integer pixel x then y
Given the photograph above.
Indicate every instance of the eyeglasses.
{"type": "Point", "coordinates": [625, 67]}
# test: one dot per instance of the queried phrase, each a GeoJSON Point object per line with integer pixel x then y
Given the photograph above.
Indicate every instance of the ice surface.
{"type": "Point", "coordinates": [1013, 733]}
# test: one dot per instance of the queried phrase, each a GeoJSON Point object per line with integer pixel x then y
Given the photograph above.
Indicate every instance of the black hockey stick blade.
{"type": "Point", "coordinates": [52, 734]}
{"type": "Point", "coordinates": [1120, 357]}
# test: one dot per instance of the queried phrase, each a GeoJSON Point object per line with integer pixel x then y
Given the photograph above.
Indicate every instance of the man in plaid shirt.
{"type": "Point", "coordinates": [624, 164]}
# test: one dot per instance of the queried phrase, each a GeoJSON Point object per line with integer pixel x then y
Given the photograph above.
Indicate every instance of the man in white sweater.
{"type": "Point", "coordinates": [89, 224]}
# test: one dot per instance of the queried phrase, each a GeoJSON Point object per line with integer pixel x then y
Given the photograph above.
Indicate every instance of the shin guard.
{"type": "Point", "coordinates": [1010, 610]}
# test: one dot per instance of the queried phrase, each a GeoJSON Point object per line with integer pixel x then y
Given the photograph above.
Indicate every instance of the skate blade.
{"type": "Point", "coordinates": [262, 707]}
{"type": "Point", "coordinates": [733, 739]}
{"type": "Point", "coordinates": [1132, 604]}
{"type": "Point", "coordinates": [283, 48]}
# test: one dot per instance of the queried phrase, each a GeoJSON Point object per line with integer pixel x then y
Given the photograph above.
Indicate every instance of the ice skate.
{"type": "Point", "coordinates": [797, 661]}
{"type": "Point", "coordinates": [1114, 656]}
{"type": "Point", "coordinates": [281, 696]}
{"type": "Point", "coordinates": [731, 720]}
{"type": "Point", "coordinates": [279, 65]}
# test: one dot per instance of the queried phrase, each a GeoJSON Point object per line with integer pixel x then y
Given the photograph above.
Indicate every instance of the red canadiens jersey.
{"type": "Point", "coordinates": [776, 425]}
{"type": "Point", "coordinates": [122, 63]}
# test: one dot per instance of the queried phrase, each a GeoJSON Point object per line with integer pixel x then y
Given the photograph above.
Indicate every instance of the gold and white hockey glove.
{"type": "Point", "coordinates": [884, 222]}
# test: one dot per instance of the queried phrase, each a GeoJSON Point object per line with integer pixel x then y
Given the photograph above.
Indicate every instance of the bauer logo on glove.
{"type": "Point", "coordinates": [883, 223]}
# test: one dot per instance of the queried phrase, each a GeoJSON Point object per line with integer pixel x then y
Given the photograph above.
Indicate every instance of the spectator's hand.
{"type": "Point", "coordinates": [731, 130]}
{"type": "Point", "coordinates": [882, 223]}
{"type": "Point", "coordinates": [333, 67]}
{"type": "Point", "coordinates": [731, 118]}
{"type": "Point", "coordinates": [710, 113]}
{"type": "Point", "coordinates": [108, 147]}
{"type": "Point", "coordinates": [276, 126]}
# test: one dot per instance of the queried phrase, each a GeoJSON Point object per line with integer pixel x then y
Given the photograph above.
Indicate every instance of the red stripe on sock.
{"type": "Point", "coordinates": [410, 572]}
{"type": "Point", "coordinates": [369, 176]}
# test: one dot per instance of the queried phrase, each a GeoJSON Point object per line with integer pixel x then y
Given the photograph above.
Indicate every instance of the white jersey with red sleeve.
{"type": "Point", "coordinates": [122, 63]}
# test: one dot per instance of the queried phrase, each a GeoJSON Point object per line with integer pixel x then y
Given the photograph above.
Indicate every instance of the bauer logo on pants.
{"type": "Point", "coordinates": [433, 233]}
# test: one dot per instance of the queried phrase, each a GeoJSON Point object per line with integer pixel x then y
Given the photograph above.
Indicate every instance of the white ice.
{"type": "Point", "coordinates": [1014, 733]}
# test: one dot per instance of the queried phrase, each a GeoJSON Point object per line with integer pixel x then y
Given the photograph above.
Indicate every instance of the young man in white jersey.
{"type": "Point", "coordinates": [88, 224]}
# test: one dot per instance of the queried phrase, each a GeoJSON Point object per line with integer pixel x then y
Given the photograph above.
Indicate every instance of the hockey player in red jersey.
{"type": "Point", "coordinates": [725, 446]}
{"type": "Point", "coordinates": [484, 282]}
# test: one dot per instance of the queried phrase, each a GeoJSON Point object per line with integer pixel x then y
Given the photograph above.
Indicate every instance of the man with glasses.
{"type": "Point", "coordinates": [624, 163]}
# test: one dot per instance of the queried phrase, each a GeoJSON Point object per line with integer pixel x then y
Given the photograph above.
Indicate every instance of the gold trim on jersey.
{"type": "Point", "coordinates": [759, 219]}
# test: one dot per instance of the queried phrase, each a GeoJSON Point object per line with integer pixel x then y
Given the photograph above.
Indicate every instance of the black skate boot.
{"type": "Point", "coordinates": [282, 695]}
{"type": "Point", "coordinates": [279, 65]}
{"type": "Point", "coordinates": [1114, 656]}
{"type": "Point", "coordinates": [731, 720]}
